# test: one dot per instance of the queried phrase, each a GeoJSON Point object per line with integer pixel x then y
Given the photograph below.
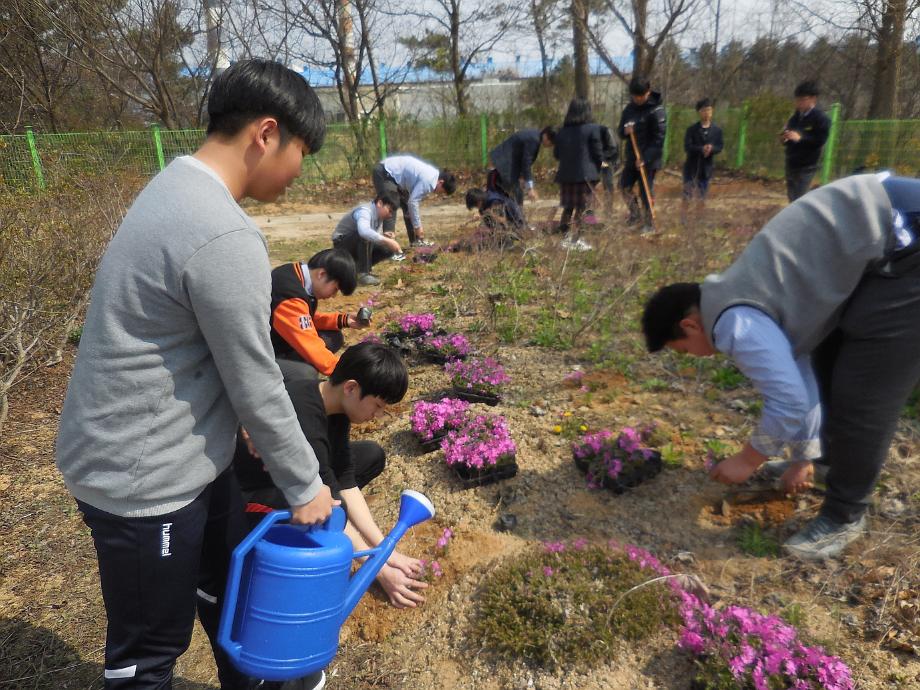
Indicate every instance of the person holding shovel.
{"type": "Point", "coordinates": [643, 125]}
{"type": "Point", "coordinates": [702, 142]}
{"type": "Point", "coordinates": [822, 312]}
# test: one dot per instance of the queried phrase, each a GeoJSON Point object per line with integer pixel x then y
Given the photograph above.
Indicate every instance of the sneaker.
{"type": "Point", "coordinates": [422, 243]}
{"type": "Point", "coordinates": [578, 245]}
{"type": "Point", "coordinates": [315, 681]}
{"type": "Point", "coordinates": [774, 470]}
{"type": "Point", "coordinates": [647, 229]}
{"type": "Point", "coordinates": [368, 279]}
{"type": "Point", "coordinates": [398, 257]}
{"type": "Point", "coordinates": [823, 538]}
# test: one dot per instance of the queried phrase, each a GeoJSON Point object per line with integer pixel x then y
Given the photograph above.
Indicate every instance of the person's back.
{"type": "Point", "coordinates": [579, 150]}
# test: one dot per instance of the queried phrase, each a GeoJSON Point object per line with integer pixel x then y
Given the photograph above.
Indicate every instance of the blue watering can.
{"type": "Point", "coordinates": [288, 590]}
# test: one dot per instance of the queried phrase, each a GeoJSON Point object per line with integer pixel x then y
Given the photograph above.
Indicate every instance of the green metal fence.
{"type": "Point", "coordinates": [33, 161]}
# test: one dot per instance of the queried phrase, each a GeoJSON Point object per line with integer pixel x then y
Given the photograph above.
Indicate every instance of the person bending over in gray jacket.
{"type": "Point", "coordinates": [822, 312]}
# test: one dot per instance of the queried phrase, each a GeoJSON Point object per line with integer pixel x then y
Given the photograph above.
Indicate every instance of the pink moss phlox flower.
{"type": "Point", "coordinates": [445, 538]}
{"type": "Point", "coordinates": [449, 345]}
{"type": "Point", "coordinates": [371, 338]}
{"type": "Point", "coordinates": [554, 546]}
{"type": "Point", "coordinates": [436, 569]}
{"type": "Point", "coordinates": [482, 441]}
{"type": "Point", "coordinates": [607, 456]}
{"type": "Point", "coordinates": [479, 374]}
{"type": "Point", "coordinates": [547, 571]}
{"type": "Point", "coordinates": [580, 544]}
{"type": "Point", "coordinates": [416, 324]}
{"type": "Point", "coordinates": [760, 651]}
{"type": "Point", "coordinates": [430, 419]}
{"type": "Point", "coordinates": [575, 376]}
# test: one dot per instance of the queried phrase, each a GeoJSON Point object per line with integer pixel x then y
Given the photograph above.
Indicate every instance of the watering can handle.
{"type": "Point", "coordinates": [231, 593]}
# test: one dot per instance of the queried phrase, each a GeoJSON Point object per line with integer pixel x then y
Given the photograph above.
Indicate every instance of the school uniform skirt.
{"type": "Point", "coordinates": [576, 194]}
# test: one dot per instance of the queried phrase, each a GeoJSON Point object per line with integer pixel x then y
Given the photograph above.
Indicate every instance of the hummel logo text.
{"type": "Point", "coordinates": [164, 540]}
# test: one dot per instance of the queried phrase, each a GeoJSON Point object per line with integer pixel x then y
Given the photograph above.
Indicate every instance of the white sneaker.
{"type": "Point", "coordinates": [578, 245]}
{"type": "Point", "coordinates": [398, 257]}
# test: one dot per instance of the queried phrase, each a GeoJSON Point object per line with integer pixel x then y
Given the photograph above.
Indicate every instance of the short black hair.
{"type": "Point", "coordinates": [639, 86]}
{"type": "Point", "coordinates": [339, 266]}
{"type": "Point", "coordinates": [389, 199]}
{"type": "Point", "coordinates": [703, 103]}
{"type": "Point", "coordinates": [664, 311]}
{"type": "Point", "coordinates": [450, 181]}
{"type": "Point", "coordinates": [807, 88]}
{"type": "Point", "coordinates": [579, 112]}
{"type": "Point", "coordinates": [376, 367]}
{"type": "Point", "coordinates": [251, 89]}
{"type": "Point", "coordinates": [549, 133]}
{"type": "Point", "coordinates": [475, 198]}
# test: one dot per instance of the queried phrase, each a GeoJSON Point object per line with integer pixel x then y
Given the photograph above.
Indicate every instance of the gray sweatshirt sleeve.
{"type": "Point", "coordinates": [228, 283]}
{"type": "Point", "coordinates": [363, 219]}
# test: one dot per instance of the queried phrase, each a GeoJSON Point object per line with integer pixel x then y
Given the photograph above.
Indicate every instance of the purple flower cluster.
{"type": "Point", "coordinates": [483, 441]}
{"type": "Point", "coordinates": [431, 419]}
{"type": "Point", "coordinates": [480, 375]}
{"type": "Point", "coordinates": [416, 324]}
{"type": "Point", "coordinates": [574, 377]}
{"type": "Point", "coordinates": [449, 345]}
{"type": "Point", "coordinates": [760, 651]}
{"type": "Point", "coordinates": [606, 456]}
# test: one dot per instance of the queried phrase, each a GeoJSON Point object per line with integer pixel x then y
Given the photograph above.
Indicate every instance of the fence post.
{"type": "Point", "coordinates": [667, 138]}
{"type": "Point", "coordinates": [158, 144]}
{"type": "Point", "coordinates": [382, 128]}
{"type": "Point", "coordinates": [36, 160]}
{"type": "Point", "coordinates": [831, 149]}
{"type": "Point", "coordinates": [484, 135]}
{"type": "Point", "coordinates": [742, 136]}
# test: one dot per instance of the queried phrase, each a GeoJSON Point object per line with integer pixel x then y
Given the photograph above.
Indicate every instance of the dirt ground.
{"type": "Point", "coordinates": [863, 606]}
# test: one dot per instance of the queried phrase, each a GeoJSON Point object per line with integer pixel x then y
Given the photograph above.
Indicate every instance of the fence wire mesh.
{"type": "Point", "coordinates": [751, 136]}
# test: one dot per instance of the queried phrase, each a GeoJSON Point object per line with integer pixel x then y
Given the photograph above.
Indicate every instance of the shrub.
{"type": "Point", "coordinates": [567, 605]}
{"type": "Point", "coordinates": [50, 244]}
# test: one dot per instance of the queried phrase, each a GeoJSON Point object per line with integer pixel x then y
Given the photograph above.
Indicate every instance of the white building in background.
{"type": "Point", "coordinates": [430, 100]}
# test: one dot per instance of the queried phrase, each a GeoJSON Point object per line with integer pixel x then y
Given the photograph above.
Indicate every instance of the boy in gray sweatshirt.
{"type": "Point", "coordinates": [175, 355]}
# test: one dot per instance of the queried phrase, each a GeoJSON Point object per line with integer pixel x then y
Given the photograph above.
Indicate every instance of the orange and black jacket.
{"type": "Point", "coordinates": [295, 321]}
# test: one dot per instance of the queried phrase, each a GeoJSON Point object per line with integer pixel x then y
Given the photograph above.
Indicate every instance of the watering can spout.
{"type": "Point", "coordinates": [414, 507]}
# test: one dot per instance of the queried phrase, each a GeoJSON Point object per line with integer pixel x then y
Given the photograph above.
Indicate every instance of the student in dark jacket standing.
{"type": "Point", "coordinates": [643, 116]}
{"type": "Point", "coordinates": [804, 137]}
{"type": "Point", "coordinates": [702, 142]}
{"type": "Point", "coordinates": [512, 162]}
{"type": "Point", "coordinates": [580, 153]}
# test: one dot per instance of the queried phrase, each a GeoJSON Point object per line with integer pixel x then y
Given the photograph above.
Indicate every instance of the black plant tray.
{"type": "Point", "coordinates": [436, 357]}
{"type": "Point", "coordinates": [488, 475]}
{"type": "Point", "coordinates": [403, 344]}
{"type": "Point", "coordinates": [631, 477]}
{"type": "Point", "coordinates": [491, 399]}
{"type": "Point", "coordinates": [432, 445]}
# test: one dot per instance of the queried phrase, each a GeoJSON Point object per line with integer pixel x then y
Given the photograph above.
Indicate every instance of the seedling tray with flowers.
{"type": "Point", "coordinates": [430, 421]}
{"type": "Point", "coordinates": [405, 333]}
{"type": "Point", "coordinates": [443, 348]}
{"type": "Point", "coordinates": [477, 379]}
{"type": "Point", "coordinates": [481, 451]}
{"type": "Point", "coordinates": [617, 462]}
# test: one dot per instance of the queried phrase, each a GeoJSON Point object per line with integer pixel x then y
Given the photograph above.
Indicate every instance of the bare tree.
{"type": "Point", "coordinates": [456, 34]}
{"type": "Point", "coordinates": [142, 50]}
{"type": "Point", "coordinates": [649, 23]}
{"type": "Point", "coordinates": [545, 16]}
{"type": "Point", "coordinates": [579, 13]}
